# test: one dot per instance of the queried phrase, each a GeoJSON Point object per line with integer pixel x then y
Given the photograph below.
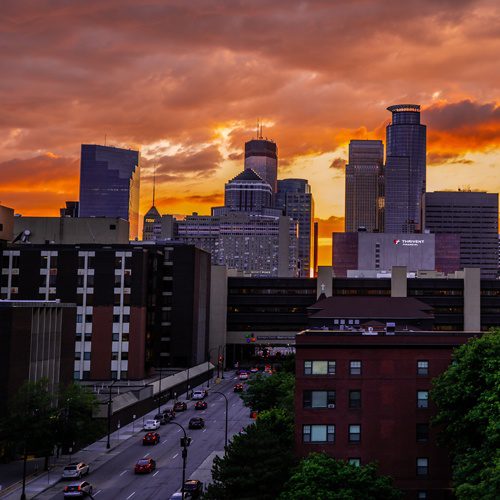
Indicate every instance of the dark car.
{"type": "Point", "coordinates": [196, 423]}
{"type": "Point", "coordinates": [161, 417]}
{"type": "Point", "coordinates": [200, 405]}
{"type": "Point", "coordinates": [151, 438]}
{"type": "Point", "coordinates": [169, 414]}
{"type": "Point", "coordinates": [145, 466]}
{"type": "Point", "coordinates": [180, 406]}
{"type": "Point", "coordinates": [238, 388]}
{"type": "Point", "coordinates": [193, 488]}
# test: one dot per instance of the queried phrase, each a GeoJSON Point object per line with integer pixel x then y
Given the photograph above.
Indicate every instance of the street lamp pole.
{"type": "Point", "coordinates": [184, 443]}
{"type": "Point", "coordinates": [108, 444]}
{"type": "Point", "coordinates": [227, 408]}
{"type": "Point", "coordinates": [23, 494]}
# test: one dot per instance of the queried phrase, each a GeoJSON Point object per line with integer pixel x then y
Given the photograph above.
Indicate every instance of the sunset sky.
{"type": "Point", "coordinates": [187, 81]}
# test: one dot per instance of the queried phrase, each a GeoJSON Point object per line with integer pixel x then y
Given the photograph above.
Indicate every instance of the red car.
{"type": "Point", "coordinates": [151, 438]}
{"type": "Point", "coordinates": [180, 406]}
{"type": "Point", "coordinates": [238, 388]}
{"type": "Point", "coordinates": [200, 405]}
{"type": "Point", "coordinates": [145, 466]}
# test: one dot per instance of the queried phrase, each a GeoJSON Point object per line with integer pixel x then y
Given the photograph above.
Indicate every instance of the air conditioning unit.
{"type": "Point", "coordinates": [331, 405]}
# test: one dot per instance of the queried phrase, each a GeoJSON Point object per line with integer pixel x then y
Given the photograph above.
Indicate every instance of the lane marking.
{"type": "Point", "coordinates": [97, 492]}
{"type": "Point", "coordinates": [131, 495]}
{"type": "Point", "coordinates": [176, 455]}
{"type": "Point", "coordinates": [146, 455]}
{"type": "Point", "coordinates": [179, 430]}
{"type": "Point", "coordinates": [204, 430]}
{"type": "Point", "coordinates": [156, 473]}
{"type": "Point", "coordinates": [124, 472]}
{"type": "Point", "coordinates": [164, 442]}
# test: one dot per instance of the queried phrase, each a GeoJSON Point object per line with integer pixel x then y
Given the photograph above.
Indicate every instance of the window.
{"type": "Point", "coordinates": [422, 432]}
{"type": "Point", "coordinates": [319, 399]}
{"type": "Point", "coordinates": [86, 356]}
{"type": "Point", "coordinates": [354, 433]}
{"type": "Point", "coordinates": [112, 227]}
{"type": "Point", "coordinates": [354, 399]}
{"type": "Point", "coordinates": [355, 367]}
{"type": "Point", "coordinates": [79, 318]}
{"type": "Point", "coordinates": [319, 367]}
{"type": "Point", "coordinates": [124, 355]}
{"type": "Point", "coordinates": [88, 336]}
{"type": "Point", "coordinates": [422, 466]}
{"type": "Point", "coordinates": [78, 356]}
{"type": "Point", "coordinates": [355, 461]}
{"type": "Point", "coordinates": [114, 356]}
{"type": "Point", "coordinates": [423, 367]}
{"type": "Point", "coordinates": [318, 433]}
{"type": "Point", "coordinates": [422, 399]}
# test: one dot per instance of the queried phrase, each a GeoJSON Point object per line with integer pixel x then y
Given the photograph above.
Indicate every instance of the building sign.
{"type": "Point", "coordinates": [408, 243]}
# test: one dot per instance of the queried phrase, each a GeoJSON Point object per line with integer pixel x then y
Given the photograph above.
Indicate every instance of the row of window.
{"type": "Point", "coordinates": [320, 367]}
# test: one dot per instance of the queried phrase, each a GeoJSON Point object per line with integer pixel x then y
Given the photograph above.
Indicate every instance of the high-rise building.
{"type": "Point", "coordinates": [6, 223]}
{"type": "Point", "coordinates": [110, 183]}
{"type": "Point", "coordinates": [70, 210]}
{"type": "Point", "coordinates": [151, 227]}
{"type": "Point", "coordinates": [294, 198]}
{"type": "Point", "coordinates": [364, 186]}
{"type": "Point", "coordinates": [473, 216]}
{"type": "Point", "coordinates": [247, 192]}
{"type": "Point", "coordinates": [261, 155]}
{"type": "Point", "coordinates": [405, 169]}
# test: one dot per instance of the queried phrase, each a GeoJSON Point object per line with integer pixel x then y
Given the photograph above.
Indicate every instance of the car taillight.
{"type": "Point", "coordinates": [79, 487]}
{"type": "Point", "coordinates": [66, 488]}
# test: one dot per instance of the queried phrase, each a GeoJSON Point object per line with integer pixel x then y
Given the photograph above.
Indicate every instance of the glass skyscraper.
{"type": "Point", "coordinates": [364, 185]}
{"type": "Point", "coordinates": [261, 155]}
{"type": "Point", "coordinates": [110, 184]}
{"type": "Point", "coordinates": [405, 169]}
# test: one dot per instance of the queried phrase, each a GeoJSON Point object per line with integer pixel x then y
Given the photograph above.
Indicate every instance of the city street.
{"type": "Point", "coordinates": [116, 479]}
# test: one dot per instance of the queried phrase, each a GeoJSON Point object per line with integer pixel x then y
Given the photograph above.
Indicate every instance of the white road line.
{"type": "Point", "coordinates": [146, 455]}
{"type": "Point", "coordinates": [215, 421]}
{"type": "Point", "coordinates": [179, 430]}
{"type": "Point", "coordinates": [131, 495]}
{"type": "Point", "coordinates": [97, 492]}
{"type": "Point", "coordinates": [176, 455]}
{"type": "Point", "coordinates": [220, 399]}
{"type": "Point", "coordinates": [204, 430]}
{"type": "Point", "coordinates": [164, 442]}
{"type": "Point", "coordinates": [124, 472]}
{"type": "Point", "coordinates": [156, 473]}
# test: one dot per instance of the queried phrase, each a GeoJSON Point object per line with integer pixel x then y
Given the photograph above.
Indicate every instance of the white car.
{"type": "Point", "coordinates": [198, 395]}
{"type": "Point", "coordinates": [83, 489]}
{"type": "Point", "coordinates": [243, 376]}
{"type": "Point", "coordinates": [75, 470]}
{"type": "Point", "coordinates": [151, 425]}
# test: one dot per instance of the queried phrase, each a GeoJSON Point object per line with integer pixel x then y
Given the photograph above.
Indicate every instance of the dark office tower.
{"type": "Point", "coordinates": [247, 192]}
{"type": "Point", "coordinates": [473, 216]}
{"type": "Point", "coordinates": [110, 183]}
{"type": "Point", "coordinates": [261, 155]}
{"type": "Point", "coordinates": [294, 198]}
{"type": "Point", "coordinates": [404, 169]}
{"type": "Point", "coordinates": [364, 186]}
{"type": "Point", "coordinates": [71, 209]}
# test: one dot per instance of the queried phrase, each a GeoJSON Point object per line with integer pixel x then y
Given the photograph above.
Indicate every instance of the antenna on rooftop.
{"type": "Point", "coordinates": [154, 184]}
{"type": "Point", "coordinates": [105, 137]}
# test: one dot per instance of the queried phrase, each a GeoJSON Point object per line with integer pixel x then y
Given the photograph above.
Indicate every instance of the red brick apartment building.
{"type": "Point", "coordinates": [365, 398]}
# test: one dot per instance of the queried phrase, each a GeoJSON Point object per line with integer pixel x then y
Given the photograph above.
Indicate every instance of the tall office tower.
{"type": "Point", "coordinates": [261, 155]}
{"type": "Point", "coordinates": [473, 216]}
{"type": "Point", "coordinates": [364, 186]}
{"type": "Point", "coordinates": [404, 169]}
{"type": "Point", "coordinates": [294, 198]}
{"type": "Point", "coordinates": [247, 192]}
{"type": "Point", "coordinates": [110, 183]}
{"type": "Point", "coordinates": [151, 227]}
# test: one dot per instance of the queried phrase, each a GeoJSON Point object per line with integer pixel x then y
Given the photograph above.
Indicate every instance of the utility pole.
{"type": "Point", "coordinates": [108, 444]}
{"type": "Point", "coordinates": [185, 442]}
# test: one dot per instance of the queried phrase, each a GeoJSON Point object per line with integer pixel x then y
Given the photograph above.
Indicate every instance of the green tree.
{"type": "Point", "coordinates": [467, 395]}
{"type": "Point", "coordinates": [257, 462]}
{"type": "Point", "coordinates": [320, 477]}
{"type": "Point", "coordinates": [265, 392]}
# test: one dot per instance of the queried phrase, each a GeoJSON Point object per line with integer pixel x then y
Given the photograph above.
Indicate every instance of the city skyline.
{"type": "Point", "coordinates": [192, 109]}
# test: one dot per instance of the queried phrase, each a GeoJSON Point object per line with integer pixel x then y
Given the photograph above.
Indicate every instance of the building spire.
{"type": "Point", "coordinates": [154, 184]}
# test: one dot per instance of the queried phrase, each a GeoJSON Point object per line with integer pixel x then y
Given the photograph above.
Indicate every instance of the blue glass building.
{"type": "Point", "coordinates": [110, 184]}
{"type": "Point", "coordinates": [405, 169]}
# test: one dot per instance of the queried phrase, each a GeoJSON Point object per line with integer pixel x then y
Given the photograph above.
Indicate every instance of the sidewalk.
{"type": "Point", "coordinates": [96, 455]}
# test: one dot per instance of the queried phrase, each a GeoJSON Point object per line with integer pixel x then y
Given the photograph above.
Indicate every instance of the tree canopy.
{"type": "Point", "coordinates": [320, 477]}
{"type": "Point", "coordinates": [468, 399]}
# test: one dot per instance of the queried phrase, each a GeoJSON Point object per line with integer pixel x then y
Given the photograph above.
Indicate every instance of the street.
{"type": "Point", "coordinates": [115, 479]}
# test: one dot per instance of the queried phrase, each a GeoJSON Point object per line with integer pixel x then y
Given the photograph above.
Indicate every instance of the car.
{"type": "Point", "coordinates": [243, 376]}
{"type": "Point", "coordinates": [169, 414]}
{"type": "Point", "coordinates": [200, 405]}
{"type": "Point", "coordinates": [193, 488]}
{"type": "Point", "coordinates": [180, 406]}
{"type": "Point", "coordinates": [199, 394]}
{"type": "Point", "coordinates": [254, 370]}
{"type": "Point", "coordinates": [81, 489]}
{"type": "Point", "coordinates": [177, 496]}
{"type": "Point", "coordinates": [75, 470]}
{"type": "Point", "coordinates": [151, 425]}
{"type": "Point", "coordinates": [238, 388]}
{"type": "Point", "coordinates": [151, 438]}
{"type": "Point", "coordinates": [161, 417]}
{"type": "Point", "coordinates": [196, 423]}
{"type": "Point", "coordinates": [144, 466]}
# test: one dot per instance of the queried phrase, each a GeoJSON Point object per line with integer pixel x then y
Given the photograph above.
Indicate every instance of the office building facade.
{"type": "Point", "coordinates": [405, 170]}
{"type": "Point", "coordinates": [261, 155]}
{"type": "Point", "coordinates": [151, 227]}
{"type": "Point", "coordinates": [474, 217]}
{"type": "Point", "coordinates": [110, 184]}
{"type": "Point", "coordinates": [296, 201]}
{"type": "Point", "coordinates": [364, 186]}
{"type": "Point", "coordinates": [247, 192]}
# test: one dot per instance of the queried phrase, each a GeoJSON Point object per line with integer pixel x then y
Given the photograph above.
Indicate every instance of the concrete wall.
{"type": "Point", "coordinates": [218, 311]}
{"type": "Point", "coordinates": [6, 223]}
{"type": "Point", "coordinates": [399, 285]}
{"type": "Point", "coordinates": [472, 299]}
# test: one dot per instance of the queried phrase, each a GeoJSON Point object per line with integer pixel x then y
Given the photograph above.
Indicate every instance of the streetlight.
{"type": "Point", "coordinates": [108, 444]}
{"type": "Point", "coordinates": [227, 408]}
{"type": "Point", "coordinates": [185, 442]}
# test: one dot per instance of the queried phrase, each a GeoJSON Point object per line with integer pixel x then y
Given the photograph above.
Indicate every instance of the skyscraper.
{"type": "Point", "coordinates": [364, 186]}
{"type": "Point", "coordinates": [247, 192]}
{"type": "Point", "coordinates": [294, 198]}
{"type": "Point", "coordinates": [261, 155]}
{"type": "Point", "coordinates": [151, 227]}
{"type": "Point", "coordinates": [405, 169]}
{"type": "Point", "coordinates": [110, 183]}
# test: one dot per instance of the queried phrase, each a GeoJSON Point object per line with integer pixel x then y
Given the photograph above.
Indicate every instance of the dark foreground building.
{"type": "Point", "coordinates": [365, 398]}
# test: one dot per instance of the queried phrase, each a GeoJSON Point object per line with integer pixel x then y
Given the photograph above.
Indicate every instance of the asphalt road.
{"type": "Point", "coordinates": [115, 480]}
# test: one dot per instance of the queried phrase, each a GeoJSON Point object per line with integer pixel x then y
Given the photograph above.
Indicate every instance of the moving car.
{"type": "Point", "coordinates": [75, 469]}
{"type": "Point", "coordinates": [162, 418]}
{"type": "Point", "coordinates": [193, 488]}
{"type": "Point", "coordinates": [169, 414]}
{"type": "Point", "coordinates": [144, 466]}
{"type": "Point", "coordinates": [151, 438]}
{"type": "Point", "coordinates": [197, 423]}
{"type": "Point", "coordinates": [81, 489]}
{"type": "Point", "coordinates": [243, 376]}
{"type": "Point", "coordinates": [200, 405]}
{"type": "Point", "coordinates": [238, 388]}
{"type": "Point", "coordinates": [254, 370]}
{"type": "Point", "coordinates": [180, 406]}
{"type": "Point", "coordinates": [199, 394]}
{"type": "Point", "coordinates": [151, 425]}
